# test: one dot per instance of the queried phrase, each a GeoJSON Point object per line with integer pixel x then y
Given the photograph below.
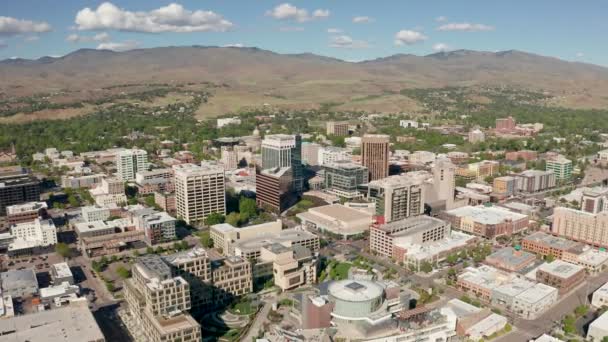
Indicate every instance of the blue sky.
{"type": "Point", "coordinates": [571, 30]}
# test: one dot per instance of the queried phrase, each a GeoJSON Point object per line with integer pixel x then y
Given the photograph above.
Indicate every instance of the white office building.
{"type": "Point", "coordinates": [199, 191]}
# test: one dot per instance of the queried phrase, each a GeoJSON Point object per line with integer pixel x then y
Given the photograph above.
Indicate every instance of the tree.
{"type": "Point", "coordinates": [247, 207]}
{"type": "Point", "coordinates": [123, 272]}
{"type": "Point", "coordinates": [452, 259]}
{"type": "Point", "coordinates": [63, 249]}
{"type": "Point", "coordinates": [426, 267]}
{"type": "Point", "coordinates": [550, 258]}
{"type": "Point", "coordinates": [233, 219]}
{"type": "Point", "coordinates": [214, 218]}
{"type": "Point", "coordinates": [206, 240]}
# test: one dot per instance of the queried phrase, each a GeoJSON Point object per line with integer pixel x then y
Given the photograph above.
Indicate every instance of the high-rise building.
{"type": "Point", "coordinates": [129, 162]}
{"type": "Point", "coordinates": [158, 303]}
{"type": "Point", "coordinates": [339, 128]}
{"type": "Point", "coordinates": [560, 166]}
{"type": "Point", "coordinates": [199, 191]}
{"type": "Point", "coordinates": [444, 181]}
{"type": "Point", "coordinates": [581, 225]}
{"type": "Point", "coordinates": [283, 150]}
{"type": "Point", "coordinates": [374, 154]}
{"type": "Point", "coordinates": [277, 150]}
{"type": "Point", "coordinates": [397, 197]}
{"type": "Point", "coordinates": [16, 187]}
{"type": "Point", "coordinates": [535, 180]}
{"type": "Point", "coordinates": [274, 189]}
{"type": "Point", "coordinates": [330, 154]}
{"type": "Point", "coordinates": [212, 284]}
{"type": "Point", "coordinates": [594, 200]}
{"type": "Point", "coordinates": [342, 178]}
{"type": "Point", "coordinates": [229, 158]}
{"type": "Point", "coordinates": [310, 153]}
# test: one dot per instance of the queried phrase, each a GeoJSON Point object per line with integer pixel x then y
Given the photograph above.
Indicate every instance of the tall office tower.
{"type": "Point", "coordinates": [199, 191]}
{"type": "Point", "coordinates": [444, 181]}
{"type": "Point", "coordinates": [374, 154]}
{"type": "Point", "coordinates": [158, 303]}
{"type": "Point", "coordinates": [297, 169]}
{"type": "Point", "coordinates": [277, 150]}
{"type": "Point", "coordinates": [274, 189]}
{"type": "Point", "coordinates": [397, 197]}
{"type": "Point", "coordinates": [129, 162]}
{"type": "Point", "coordinates": [16, 187]}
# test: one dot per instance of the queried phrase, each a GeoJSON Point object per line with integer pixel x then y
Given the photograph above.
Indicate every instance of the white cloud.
{"type": "Point", "coordinates": [580, 54]}
{"type": "Point", "coordinates": [12, 26]}
{"type": "Point", "coordinates": [442, 47]}
{"type": "Point", "coordinates": [409, 37]}
{"type": "Point", "coordinates": [334, 30]}
{"type": "Point", "coordinates": [119, 46]}
{"type": "Point", "coordinates": [237, 45]}
{"type": "Point", "coordinates": [171, 18]}
{"type": "Point", "coordinates": [441, 19]}
{"type": "Point", "coordinates": [32, 38]}
{"type": "Point", "coordinates": [287, 11]}
{"type": "Point", "coordinates": [362, 20]}
{"type": "Point", "coordinates": [291, 29]}
{"type": "Point", "coordinates": [346, 42]}
{"type": "Point", "coordinates": [100, 37]}
{"type": "Point", "coordinates": [467, 27]}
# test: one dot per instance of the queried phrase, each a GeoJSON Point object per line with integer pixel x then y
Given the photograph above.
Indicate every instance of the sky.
{"type": "Point", "coordinates": [351, 30]}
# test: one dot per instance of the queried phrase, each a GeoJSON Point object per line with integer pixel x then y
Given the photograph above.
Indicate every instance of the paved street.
{"type": "Point", "coordinates": [256, 325]}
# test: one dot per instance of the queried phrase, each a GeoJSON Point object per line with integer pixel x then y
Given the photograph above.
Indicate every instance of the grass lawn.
{"type": "Point", "coordinates": [242, 308]}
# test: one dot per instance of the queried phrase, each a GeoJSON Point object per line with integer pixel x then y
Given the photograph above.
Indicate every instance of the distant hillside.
{"type": "Point", "coordinates": [256, 76]}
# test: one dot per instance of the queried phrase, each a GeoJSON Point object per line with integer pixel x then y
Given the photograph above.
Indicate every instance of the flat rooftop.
{"type": "Point", "coordinates": [511, 256]}
{"type": "Point", "coordinates": [560, 268]}
{"type": "Point", "coordinates": [413, 222]}
{"type": "Point", "coordinates": [536, 293]}
{"type": "Point", "coordinates": [185, 256]}
{"type": "Point", "coordinates": [486, 215]}
{"type": "Point", "coordinates": [285, 237]}
{"type": "Point", "coordinates": [72, 323]}
{"type": "Point", "coordinates": [553, 241]}
{"type": "Point", "coordinates": [25, 207]}
{"type": "Point", "coordinates": [340, 212]}
{"type": "Point", "coordinates": [62, 270]}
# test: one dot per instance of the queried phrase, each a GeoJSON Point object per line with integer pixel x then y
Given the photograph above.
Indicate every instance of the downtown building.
{"type": "Point", "coordinates": [17, 187]}
{"type": "Point", "coordinates": [560, 166]}
{"type": "Point", "coordinates": [151, 181]}
{"type": "Point", "coordinates": [158, 303]}
{"type": "Point", "coordinates": [338, 128]}
{"type": "Point", "coordinates": [284, 151]}
{"type": "Point", "coordinates": [531, 181]}
{"type": "Point", "coordinates": [487, 222]}
{"type": "Point", "coordinates": [397, 197]}
{"type": "Point", "coordinates": [199, 191]}
{"type": "Point", "coordinates": [275, 189]}
{"type": "Point", "coordinates": [129, 162]}
{"type": "Point", "coordinates": [342, 178]}
{"type": "Point", "coordinates": [579, 225]}
{"type": "Point", "coordinates": [374, 155]}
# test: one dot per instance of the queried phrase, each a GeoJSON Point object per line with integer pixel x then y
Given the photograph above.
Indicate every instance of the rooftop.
{"type": "Point", "coordinates": [153, 266]}
{"type": "Point", "coordinates": [285, 237]}
{"type": "Point", "coordinates": [62, 270]}
{"type": "Point", "coordinates": [355, 290]}
{"type": "Point", "coordinates": [553, 241]}
{"type": "Point", "coordinates": [13, 279]}
{"type": "Point", "coordinates": [511, 256]}
{"type": "Point", "coordinates": [25, 207]}
{"type": "Point", "coordinates": [72, 323]}
{"type": "Point", "coordinates": [560, 268]}
{"type": "Point", "coordinates": [536, 293]}
{"type": "Point", "coordinates": [486, 215]}
{"type": "Point", "coordinates": [185, 256]}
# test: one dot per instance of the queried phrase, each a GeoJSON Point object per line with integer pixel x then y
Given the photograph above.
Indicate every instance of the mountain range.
{"type": "Point", "coordinates": [255, 75]}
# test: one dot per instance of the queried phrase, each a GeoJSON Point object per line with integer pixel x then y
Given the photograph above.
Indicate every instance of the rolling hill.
{"type": "Point", "coordinates": [254, 76]}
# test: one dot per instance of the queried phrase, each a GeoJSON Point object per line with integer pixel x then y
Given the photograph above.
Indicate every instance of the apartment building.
{"type": "Point", "coordinates": [560, 166]}
{"type": "Point", "coordinates": [339, 128]}
{"type": "Point", "coordinates": [129, 162]}
{"type": "Point", "coordinates": [397, 197]}
{"type": "Point", "coordinates": [94, 213]}
{"type": "Point", "coordinates": [374, 155]}
{"type": "Point", "coordinates": [530, 181]}
{"type": "Point", "coordinates": [213, 282]}
{"type": "Point", "coordinates": [199, 191]}
{"type": "Point", "coordinates": [504, 186]}
{"type": "Point", "coordinates": [81, 181]}
{"type": "Point", "coordinates": [158, 302]}
{"type": "Point", "coordinates": [488, 222]}
{"type": "Point", "coordinates": [581, 226]}
{"type": "Point", "coordinates": [384, 237]}
{"type": "Point", "coordinates": [479, 170]}
{"type": "Point", "coordinates": [158, 227]}
{"type": "Point", "coordinates": [332, 154]}
{"type": "Point", "coordinates": [111, 192]}
{"type": "Point", "coordinates": [149, 181]}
